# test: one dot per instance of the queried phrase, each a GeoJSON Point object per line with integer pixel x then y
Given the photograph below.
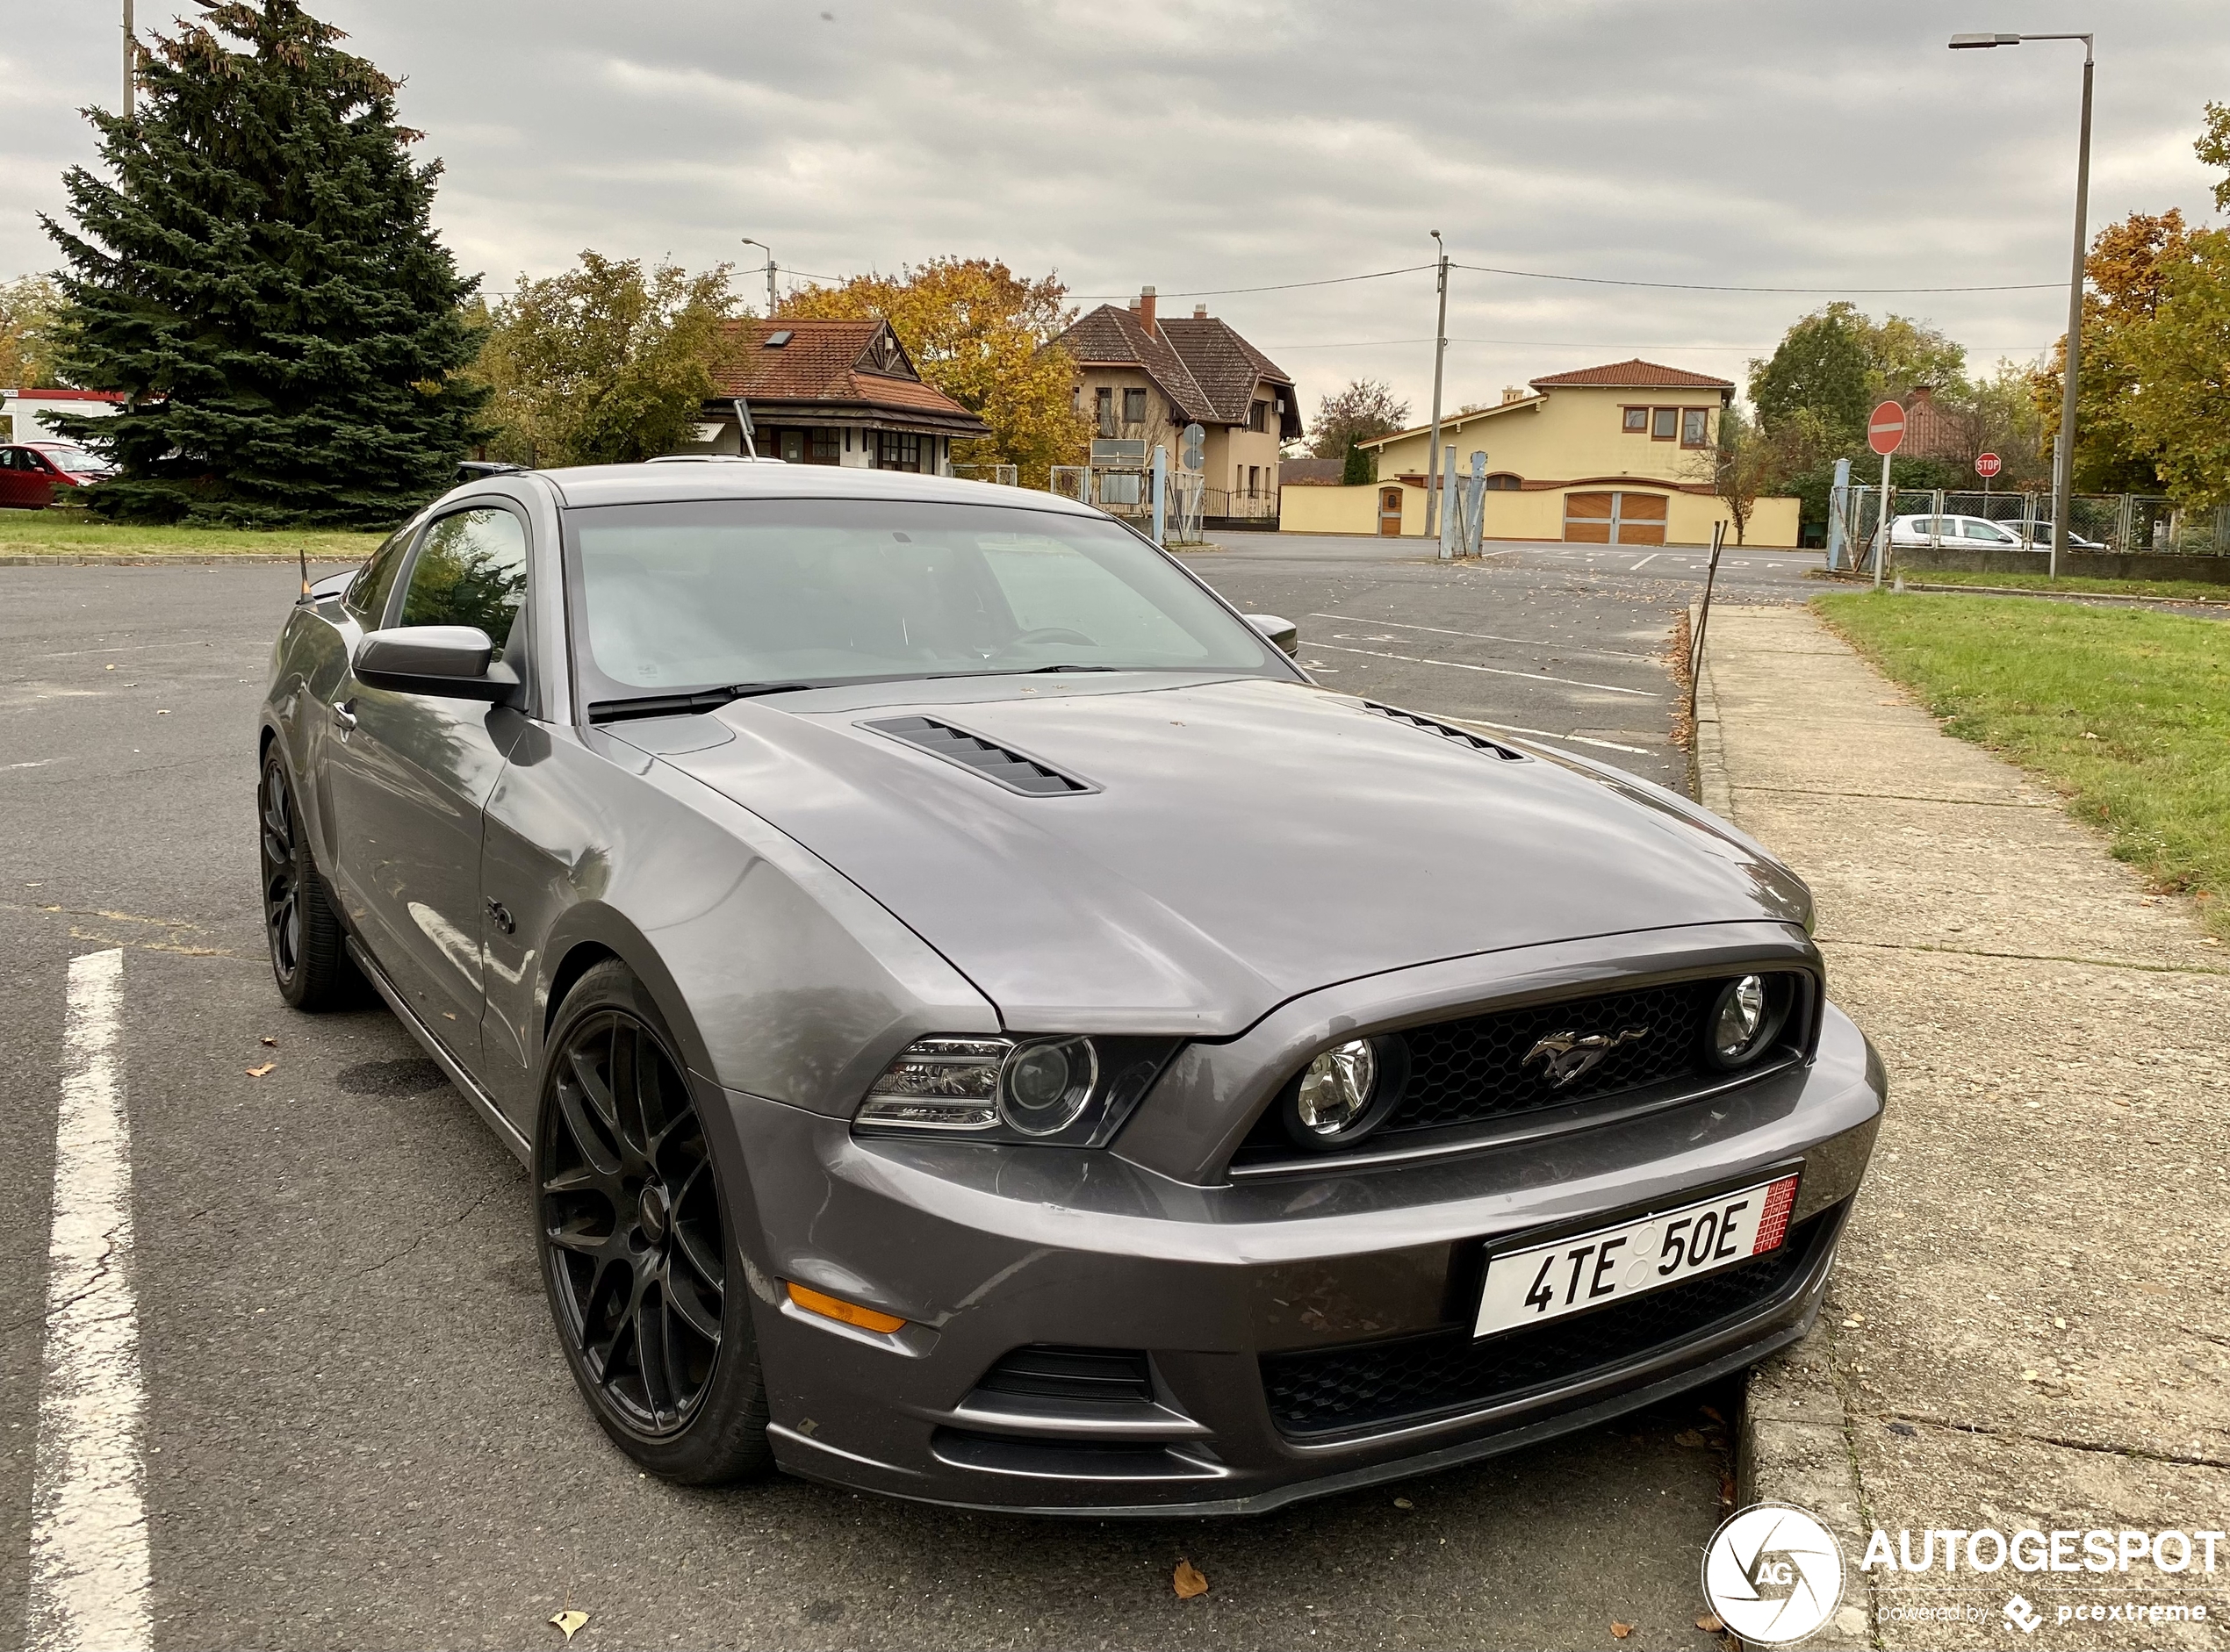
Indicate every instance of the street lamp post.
{"type": "Point", "coordinates": [1440, 357]}
{"type": "Point", "coordinates": [2063, 459]}
{"type": "Point", "coordinates": [769, 251]}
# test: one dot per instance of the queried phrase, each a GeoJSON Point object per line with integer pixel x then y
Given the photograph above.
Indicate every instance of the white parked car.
{"type": "Point", "coordinates": [1959, 530]}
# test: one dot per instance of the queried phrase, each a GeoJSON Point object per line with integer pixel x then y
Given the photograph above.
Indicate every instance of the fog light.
{"type": "Point", "coordinates": [1044, 1087]}
{"type": "Point", "coordinates": [1744, 1018]}
{"type": "Point", "coordinates": [1337, 1087]}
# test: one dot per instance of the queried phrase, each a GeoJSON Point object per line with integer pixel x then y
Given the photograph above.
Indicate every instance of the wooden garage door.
{"type": "Point", "coordinates": [1588, 518]}
{"type": "Point", "coordinates": [1614, 518]}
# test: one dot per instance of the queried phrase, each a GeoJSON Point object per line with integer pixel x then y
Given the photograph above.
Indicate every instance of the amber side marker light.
{"type": "Point", "coordinates": [850, 1312]}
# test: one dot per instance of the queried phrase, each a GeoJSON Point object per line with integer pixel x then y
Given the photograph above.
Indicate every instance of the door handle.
{"type": "Point", "coordinates": [344, 716]}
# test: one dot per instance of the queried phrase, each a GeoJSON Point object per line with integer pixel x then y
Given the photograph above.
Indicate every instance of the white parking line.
{"type": "Point", "coordinates": [1484, 636]}
{"type": "Point", "coordinates": [89, 1537]}
{"type": "Point", "coordinates": [1546, 734]}
{"type": "Point", "coordinates": [1646, 562]}
{"type": "Point", "coordinates": [1492, 671]}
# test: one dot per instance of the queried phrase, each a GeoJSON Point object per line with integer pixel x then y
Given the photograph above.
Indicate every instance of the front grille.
{"type": "Point", "coordinates": [1091, 1377]}
{"type": "Point", "coordinates": [1334, 1390]}
{"type": "Point", "coordinates": [1462, 1071]}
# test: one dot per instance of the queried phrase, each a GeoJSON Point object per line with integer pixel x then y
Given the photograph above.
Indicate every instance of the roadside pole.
{"type": "Point", "coordinates": [1885, 432]}
{"type": "Point", "coordinates": [1839, 513]}
{"type": "Point", "coordinates": [1439, 358]}
{"type": "Point", "coordinates": [1703, 619]}
{"type": "Point", "coordinates": [1161, 491]}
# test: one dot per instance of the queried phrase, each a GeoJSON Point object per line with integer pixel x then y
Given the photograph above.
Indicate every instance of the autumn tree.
{"type": "Point", "coordinates": [2126, 273]}
{"type": "Point", "coordinates": [257, 270]}
{"type": "Point", "coordinates": [605, 364]}
{"type": "Point", "coordinates": [30, 307]}
{"type": "Point", "coordinates": [1903, 354]}
{"type": "Point", "coordinates": [984, 336]}
{"type": "Point", "coordinates": [1741, 466]}
{"type": "Point", "coordinates": [2178, 417]}
{"type": "Point", "coordinates": [1367, 407]}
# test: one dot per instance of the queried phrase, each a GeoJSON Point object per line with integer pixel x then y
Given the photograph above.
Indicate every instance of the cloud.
{"type": "Point", "coordinates": [1220, 144]}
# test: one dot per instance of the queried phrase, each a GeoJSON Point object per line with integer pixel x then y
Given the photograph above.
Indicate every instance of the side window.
{"type": "Point", "coordinates": [366, 597]}
{"type": "Point", "coordinates": [1693, 421]}
{"type": "Point", "coordinates": [1666, 425]}
{"type": "Point", "coordinates": [1638, 419]}
{"type": "Point", "coordinates": [471, 570]}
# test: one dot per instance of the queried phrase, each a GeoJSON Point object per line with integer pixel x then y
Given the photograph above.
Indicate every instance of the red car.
{"type": "Point", "coordinates": [29, 472]}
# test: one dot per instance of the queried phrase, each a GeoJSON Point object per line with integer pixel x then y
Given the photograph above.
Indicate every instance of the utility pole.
{"type": "Point", "coordinates": [772, 301]}
{"type": "Point", "coordinates": [1440, 357]}
{"type": "Point", "coordinates": [131, 52]}
{"type": "Point", "coordinates": [2063, 452]}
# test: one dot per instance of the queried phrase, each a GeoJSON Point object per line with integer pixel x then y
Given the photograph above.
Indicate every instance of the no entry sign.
{"type": "Point", "coordinates": [1885, 428]}
{"type": "Point", "coordinates": [1988, 464]}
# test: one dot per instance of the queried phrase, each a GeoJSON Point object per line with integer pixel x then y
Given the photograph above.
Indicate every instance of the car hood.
{"type": "Point", "coordinates": [1241, 841]}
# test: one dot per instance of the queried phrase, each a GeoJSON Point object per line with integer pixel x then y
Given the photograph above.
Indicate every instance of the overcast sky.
{"type": "Point", "coordinates": [1205, 146]}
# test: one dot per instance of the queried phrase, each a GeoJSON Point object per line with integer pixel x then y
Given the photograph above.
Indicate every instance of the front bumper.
{"type": "Point", "coordinates": [1236, 1294]}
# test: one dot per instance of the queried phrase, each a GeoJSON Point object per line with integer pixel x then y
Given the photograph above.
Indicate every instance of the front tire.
{"type": "Point", "coordinates": [638, 1251]}
{"type": "Point", "coordinates": [309, 954]}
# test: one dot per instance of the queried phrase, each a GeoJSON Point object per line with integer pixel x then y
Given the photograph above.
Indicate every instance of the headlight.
{"type": "Point", "coordinates": [1745, 1019]}
{"type": "Point", "coordinates": [1064, 1091]}
{"type": "Point", "coordinates": [1344, 1092]}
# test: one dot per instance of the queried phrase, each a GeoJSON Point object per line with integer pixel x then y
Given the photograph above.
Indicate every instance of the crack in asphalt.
{"type": "Point", "coordinates": [418, 1242]}
{"type": "Point", "coordinates": [2065, 1441]}
{"type": "Point", "coordinates": [98, 1277]}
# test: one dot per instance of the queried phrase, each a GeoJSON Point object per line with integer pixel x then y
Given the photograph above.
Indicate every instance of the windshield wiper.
{"type": "Point", "coordinates": [686, 705]}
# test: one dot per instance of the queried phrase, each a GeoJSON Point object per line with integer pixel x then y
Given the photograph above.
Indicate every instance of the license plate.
{"type": "Point", "coordinates": [1589, 1270]}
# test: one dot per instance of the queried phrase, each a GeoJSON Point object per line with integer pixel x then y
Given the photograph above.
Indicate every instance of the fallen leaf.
{"type": "Point", "coordinates": [1188, 1581]}
{"type": "Point", "coordinates": [273, 1043]}
{"type": "Point", "coordinates": [1688, 1437]}
{"type": "Point", "coordinates": [570, 1622]}
{"type": "Point", "coordinates": [163, 712]}
{"type": "Point", "coordinates": [1709, 1623]}
{"type": "Point", "coordinates": [1404, 1503]}
{"type": "Point", "coordinates": [1712, 1412]}
{"type": "Point", "coordinates": [258, 1072]}
{"type": "Point", "coordinates": [107, 668]}
{"type": "Point", "coordinates": [1620, 1631]}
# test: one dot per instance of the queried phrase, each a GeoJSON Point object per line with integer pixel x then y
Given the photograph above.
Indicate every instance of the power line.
{"type": "Point", "coordinates": [1577, 344]}
{"type": "Point", "coordinates": [1698, 286]}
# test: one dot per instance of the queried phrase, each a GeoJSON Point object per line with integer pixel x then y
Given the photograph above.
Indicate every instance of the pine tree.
{"type": "Point", "coordinates": [259, 276]}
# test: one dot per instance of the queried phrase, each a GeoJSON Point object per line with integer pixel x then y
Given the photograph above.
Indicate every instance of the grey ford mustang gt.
{"type": "Point", "coordinates": [985, 1027]}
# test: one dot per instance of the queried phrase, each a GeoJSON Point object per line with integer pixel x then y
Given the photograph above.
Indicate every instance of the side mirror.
{"type": "Point", "coordinates": [1283, 633]}
{"type": "Point", "coordinates": [451, 660]}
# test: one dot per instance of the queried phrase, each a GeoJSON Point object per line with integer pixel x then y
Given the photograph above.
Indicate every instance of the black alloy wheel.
{"type": "Point", "coordinates": [653, 1315]}
{"type": "Point", "coordinates": [309, 958]}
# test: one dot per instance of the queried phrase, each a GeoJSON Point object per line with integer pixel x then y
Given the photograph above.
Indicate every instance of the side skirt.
{"type": "Point", "coordinates": [506, 1131]}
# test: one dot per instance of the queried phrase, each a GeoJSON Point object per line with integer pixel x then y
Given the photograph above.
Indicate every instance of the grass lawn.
{"type": "Point", "coordinates": [2200, 590]}
{"type": "Point", "coordinates": [2127, 711]}
{"type": "Point", "coordinates": [76, 533]}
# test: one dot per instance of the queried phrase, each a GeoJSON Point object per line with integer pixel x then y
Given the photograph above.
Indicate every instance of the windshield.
{"type": "Point", "coordinates": [670, 599]}
{"type": "Point", "coordinates": [73, 458]}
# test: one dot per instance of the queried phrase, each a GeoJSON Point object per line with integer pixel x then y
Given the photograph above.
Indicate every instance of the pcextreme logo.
{"type": "Point", "coordinates": [1774, 1574]}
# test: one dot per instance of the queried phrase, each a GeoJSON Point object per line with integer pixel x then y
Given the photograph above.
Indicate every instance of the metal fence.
{"type": "Point", "coordinates": [1006, 475]}
{"type": "Point", "coordinates": [2117, 522]}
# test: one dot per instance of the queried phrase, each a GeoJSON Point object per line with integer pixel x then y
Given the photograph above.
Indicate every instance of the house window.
{"type": "Point", "coordinates": [1664, 424]}
{"type": "Point", "coordinates": [1256, 415]}
{"type": "Point", "coordinates": [1133, 406]}
{"type": "Point", "coordinates": [898, 450]}
{"type": "Point", "coordinates": [1638, 419]}
{"type": "Point", "coordinates": [1105, 399]}
{"type": "Point", "coordinates": [1077, 399]}
{"type": "Point", "coordinates": [1502, 481]}
{"type": "Point", "coordinates": [822, 449]}
{"type": "Point", "coordinates": [1694, 421]}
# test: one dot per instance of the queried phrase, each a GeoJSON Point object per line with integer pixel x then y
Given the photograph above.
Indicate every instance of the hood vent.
{"type": "Point", "coordinates": [994, 763]}
{"type": "Point", "coordinates": [1462, 737]}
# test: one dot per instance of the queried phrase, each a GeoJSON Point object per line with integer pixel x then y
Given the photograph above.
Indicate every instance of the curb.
{"type": "Point", "coordinates": [2031, 591]}
{"type": "Point", "coordinates": [1792, 1439]}
{"type": "Point", "coordinates": [255, 556]}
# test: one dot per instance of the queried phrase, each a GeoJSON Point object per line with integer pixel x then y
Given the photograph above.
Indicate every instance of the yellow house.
{"type": "Point", "coordinates": [1618, 455]}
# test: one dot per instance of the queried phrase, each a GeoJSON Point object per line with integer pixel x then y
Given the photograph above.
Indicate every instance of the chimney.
{"type": "Point", "coordinates": [1199, 311]}
{"type": "Point", "coordinates": [1146, 310]}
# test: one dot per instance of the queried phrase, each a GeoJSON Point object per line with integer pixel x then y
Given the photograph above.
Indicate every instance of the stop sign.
{"type": "Point", "coordinates": [1987, 464]}
{"type": "Point", "coordinates": [1885, 428]}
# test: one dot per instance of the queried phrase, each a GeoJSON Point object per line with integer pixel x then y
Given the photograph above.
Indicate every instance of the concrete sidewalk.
{"type": "Point", "coordinates": [2030, 1322]}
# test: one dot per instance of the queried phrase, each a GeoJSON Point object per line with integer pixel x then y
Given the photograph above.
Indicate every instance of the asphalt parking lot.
{"type": "Point", "coordinates": [357, 1429]}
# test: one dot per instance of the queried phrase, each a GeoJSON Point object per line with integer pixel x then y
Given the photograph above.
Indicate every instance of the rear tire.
{"type": "Point", "coordinates": [637, 1243]}
{"type": "Point", "coordinates": [308, 947]}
